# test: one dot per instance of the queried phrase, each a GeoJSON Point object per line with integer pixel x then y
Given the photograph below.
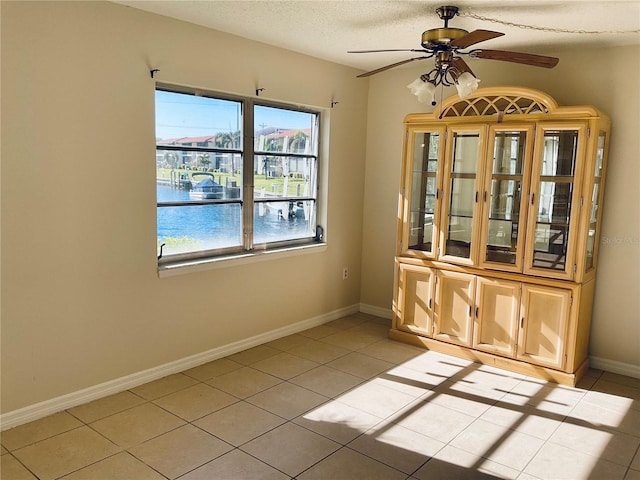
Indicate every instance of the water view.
{"type": "Point", "coordinates": [203, 227]}
{"type": "Point", "coordinates": [201, 156]}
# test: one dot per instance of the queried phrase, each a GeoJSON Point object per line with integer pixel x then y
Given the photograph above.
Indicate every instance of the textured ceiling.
{"type": "Point", "coordinates": [327, 29]}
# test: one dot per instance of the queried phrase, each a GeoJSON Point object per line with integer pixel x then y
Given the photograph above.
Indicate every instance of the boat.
{"type": "Point", "coordinates": [206, 188]}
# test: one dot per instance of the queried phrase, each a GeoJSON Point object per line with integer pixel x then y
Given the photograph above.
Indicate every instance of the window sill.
{"type": "Point", "coordinates": [201, 265]}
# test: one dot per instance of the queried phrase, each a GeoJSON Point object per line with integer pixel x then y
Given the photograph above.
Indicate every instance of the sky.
{"type": "Point", "coordinates": [182, 115]}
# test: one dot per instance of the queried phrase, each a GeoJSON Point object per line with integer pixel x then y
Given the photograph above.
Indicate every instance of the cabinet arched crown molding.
{"type": "Point", "coordinates": [498, 102]}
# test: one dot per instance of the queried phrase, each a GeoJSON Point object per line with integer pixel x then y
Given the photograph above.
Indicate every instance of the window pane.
{"type": "Point", "coordinates": [550, 246]}
{"type": "Point", "coordinates": [284, 131]}
{"type": "Point", "coordinates": [460, 227]}
{"type": "Point", "coordinates": [280, 136]}
{"type": "Point", "coordinates": [184, 119]}
{"type": "Point", "coordinates": [278, 221]}
{"type": "Point", "coordinates": [504, 197]}
{"type": "Point", "coordinates": [284, 176]}
{"type": "Point", "coordinates": [509, 153]}
{"type": "Point", "coordinates": [504, 211]}
{"type": "Point", "coordinates": [202, 175]}
{"type": "Point", "coordinates": [194, 228]}
{"type": "Point", "coordinates": [555, 192]}
{"type": "Point", "coordinates": [465, 152]}
{"type": "Point", "coordinates": [595, 201]}
{"type": "Point", "coordinates": [459, 236]}
{"type": "Point", "coordinates": [559, 153]}
{"type": "Point", "coordinates": [462, 197]}
{"type": "Point", "coordinates": [462, 194]}
{"type": "Point", "coordinates": [552, 225]}
{"type": "Point", "coordinates": [600, 154]}
{"type": "Point", "coordinates": [423, 190]}
{"type": "Point", "coordinates": [591, 239]}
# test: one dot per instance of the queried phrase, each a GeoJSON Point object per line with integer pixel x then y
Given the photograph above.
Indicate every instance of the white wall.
{"type": "Point", "coordinates": [605, 78]}
{"type": "Point", "coordinates": [82, 303]}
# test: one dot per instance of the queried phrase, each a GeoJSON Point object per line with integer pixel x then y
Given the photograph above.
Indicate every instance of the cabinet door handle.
{"type": "Point", "coordinates": [521, 322]}
{"type": "Point", "coordinates": [532, 197]}
{"type": "Point", "coordinates": [476, 312]}
{"type": "Point", "coordinates": [430, 302]}
{"type": "Point", "coordinates": [476, 197]}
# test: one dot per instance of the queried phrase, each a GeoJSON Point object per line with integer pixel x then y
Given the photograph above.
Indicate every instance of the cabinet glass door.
{"type": "Point", "coordinates": [595, 202]}
{"type": "Point", "coordinates": [554, 194]}
{"type": "Point", "coordinates": [461, 202]}
{"type": "Point", "coordinates": [423, 183]}
{"type": "Point", "coordinates": [504, 210]}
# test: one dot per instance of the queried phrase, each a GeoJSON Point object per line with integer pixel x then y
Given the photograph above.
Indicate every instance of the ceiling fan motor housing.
{"type": "Point", "coordinates": [441, 36]}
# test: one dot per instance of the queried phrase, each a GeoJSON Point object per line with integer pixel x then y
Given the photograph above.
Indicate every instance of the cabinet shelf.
{"type": "Point", "coordinates": [554, 224]}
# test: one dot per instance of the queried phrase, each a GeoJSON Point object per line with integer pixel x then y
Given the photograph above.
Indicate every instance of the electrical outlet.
{"type": "Point", "coordinates": [345, 273]}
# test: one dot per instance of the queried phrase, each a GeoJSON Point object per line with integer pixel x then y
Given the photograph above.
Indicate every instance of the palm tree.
{"type": "Point", "coordinates": [229, 140]}
{"type": "Point", "coordinates": [203, 160]}
{"type": "Point", "coordinates": [271, 145]}
{"type": "Point", "coordinates": [298, 142]}
{"type": "Point", "coordinates": [171, 158]}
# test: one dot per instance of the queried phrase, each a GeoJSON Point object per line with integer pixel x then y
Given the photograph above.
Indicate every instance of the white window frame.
{"type": "Point", "coordinates": [205, 259]}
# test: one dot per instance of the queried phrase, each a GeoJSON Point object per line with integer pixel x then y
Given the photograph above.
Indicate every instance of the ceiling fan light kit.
{"type": "Point", "coordinates": [466, 84]}
{"type": "Point", "coordinates": [445, 46]}
{"type": "Point", "coordinates": [423, 89]}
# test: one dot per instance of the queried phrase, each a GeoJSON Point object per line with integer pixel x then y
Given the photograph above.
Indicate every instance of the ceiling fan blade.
{"type": "Point", "coordinates": [460, 65]}
{"type": "Point", "coordinates": [474, 37]}
{"type": "Point", "coordinates": [389, 50]}
{"type": "Point", "coordinates": [517, 57]}
{"type": "Point", "coordinates": [387, 67]}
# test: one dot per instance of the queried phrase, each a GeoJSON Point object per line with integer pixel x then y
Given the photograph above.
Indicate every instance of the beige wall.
{"type": "Point", "coordinates": [81, 300]}
{"type": "Point", "coordinates": [606, 78]}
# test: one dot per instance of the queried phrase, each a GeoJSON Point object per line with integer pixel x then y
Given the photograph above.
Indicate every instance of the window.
{"type": "Point", "coordinates": [233, 174]}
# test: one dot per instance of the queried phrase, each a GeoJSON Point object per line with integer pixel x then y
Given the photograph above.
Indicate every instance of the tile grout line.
{"type": "Point", "coordinates": [328, 400]}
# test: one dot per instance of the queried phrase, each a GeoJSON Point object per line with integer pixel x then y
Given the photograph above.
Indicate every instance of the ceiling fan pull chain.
{"type": "Point", "coordinates": [543, 29]}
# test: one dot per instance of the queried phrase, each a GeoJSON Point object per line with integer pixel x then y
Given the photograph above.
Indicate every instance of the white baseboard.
{"type": "Point", "coordinates": [615, 367]}
{"type": "Point", "coordinates": [54, 405]}
{"type": "Point", "coordinates": [377, 311]}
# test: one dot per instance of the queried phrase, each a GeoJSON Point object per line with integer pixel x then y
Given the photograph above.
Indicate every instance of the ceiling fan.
{"type": "Point", "coordinates": [445, 44]}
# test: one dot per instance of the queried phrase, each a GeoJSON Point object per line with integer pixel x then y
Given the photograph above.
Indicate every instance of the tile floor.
{"type": "Point", "coordinates": [340, 401]}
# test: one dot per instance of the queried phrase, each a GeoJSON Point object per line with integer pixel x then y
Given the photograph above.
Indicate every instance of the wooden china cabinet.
{"type": "Point", "coordinates": [499, 226]}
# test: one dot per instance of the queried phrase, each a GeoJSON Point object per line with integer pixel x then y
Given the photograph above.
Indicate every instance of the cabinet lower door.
{"type": "Point", "coordinates": [415, 299]}
{"type": "Point", "coordinates": [453, 312]}
{"type": "Point", "coordinates": [496, 322]}
{"type": "Point", "coordinates": [544, 319]}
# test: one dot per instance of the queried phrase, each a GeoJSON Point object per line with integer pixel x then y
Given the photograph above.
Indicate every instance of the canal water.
{"type": "Point", "coordinates": [203, 227]}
